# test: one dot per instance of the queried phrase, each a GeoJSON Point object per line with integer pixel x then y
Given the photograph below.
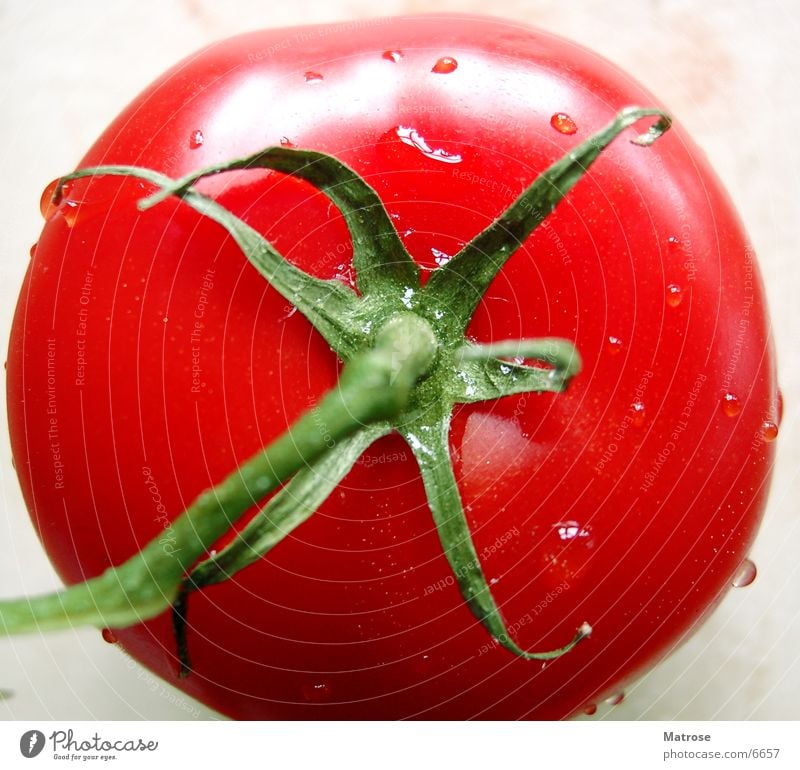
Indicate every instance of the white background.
{"type": "Point", "coordinates": [728, 70]}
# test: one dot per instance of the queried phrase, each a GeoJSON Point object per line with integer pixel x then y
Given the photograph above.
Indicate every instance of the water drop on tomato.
{"type": "Point", "coordinates": [674, 295]}
{"type": "Point", "coordinates": [637, 407]}
{"type": "Point", "coordinates": [196, 139]}
{"type": "Point", "coordinates": [769, 430]}
{"type": "Point", "coordinates": [731, 405]}
{"type": "Point", "coordinates": [317, 692]}
{"type": "Point", "coordinates": [614, 345]}
{"type": "Point", "coordinates": [746, 574]}
{"type": "Point", "coordinates": [563, 123]}
{"type": "Point", "coordinates": [445, 65]}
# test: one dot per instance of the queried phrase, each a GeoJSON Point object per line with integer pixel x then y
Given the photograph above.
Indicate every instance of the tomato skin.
{"type": "Point", "coordinates": [584, 508]}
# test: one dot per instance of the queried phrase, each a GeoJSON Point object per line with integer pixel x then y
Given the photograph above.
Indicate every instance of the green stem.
{"type": "Point", "coordinates": [463, 281]}
{"type": "Point", "coordinates": [288, 508]}
{"type": "Point", "coordinates": [431, 449]}
{"type": "Point", "coordinates": [330, 306]}
{"type": "Point", "coordinates": [562, 355]}
{"type": "Point", "coordinates": [374, 387]}
{"type": "Point", "coordinates": [381, 262]}
{"type": "Point", "coordinates": [481, 374]}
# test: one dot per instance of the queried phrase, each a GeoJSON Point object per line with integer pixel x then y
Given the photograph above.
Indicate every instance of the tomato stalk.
{"type": "Point", "coordinates": [407, 365]}
{"type": "Point", "coordinates": [374, 387]}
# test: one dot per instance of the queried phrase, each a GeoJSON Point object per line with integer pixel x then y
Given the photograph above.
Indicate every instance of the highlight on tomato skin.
{"type": "Point", "coordinates": [148, 359]}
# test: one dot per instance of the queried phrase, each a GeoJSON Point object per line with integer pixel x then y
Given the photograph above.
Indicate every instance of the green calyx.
{"type": "Point", "coordinates": [407, 364]}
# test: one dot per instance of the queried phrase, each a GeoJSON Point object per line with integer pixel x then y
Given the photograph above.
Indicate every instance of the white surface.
{"type": "Point", "coordinates": [729, 70]}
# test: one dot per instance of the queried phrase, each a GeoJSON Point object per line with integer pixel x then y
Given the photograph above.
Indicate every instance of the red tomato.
{"type": "Point", "coordinates": [148, 359]}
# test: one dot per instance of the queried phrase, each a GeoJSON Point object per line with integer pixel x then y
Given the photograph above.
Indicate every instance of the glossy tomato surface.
{"type": "Point", "coordinates": [148, 358]}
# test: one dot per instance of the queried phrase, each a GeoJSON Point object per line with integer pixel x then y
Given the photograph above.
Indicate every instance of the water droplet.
{"type": "Point", "coordinates": [590, 709]}
{"type": "Point", "coordinates": [769, 430]}
{"type": "Point", "coordinates": [69, 211]}
{"type": "Point", "coordinates": [196, 139]}
{"type": "Point", "coordinates": [109, 636]}
{"type": "Point", "coordinates": [779, 406]}
{"type": "Point", "coordinates": [445, 65]}
{"type": "Point", "coordinates": [564, 550]}
{"type": "Point", "coordinates": [413, 138]}
{"type": "Point", "coordinates": [393, 56]}
{"type": "Point", "coordinates": [637, 407]}
{"type": "Point", "coordinates": [616, 699]}
{"type": "Point", "coordinates": [614, 345]}
{"type": "Point", "coordinates": [313, 77]}
{"type": "Point", "coordinates": [63, 205]}
{"type": "Point", "coordinates": [563, 123]}
{"type": "Point", "coordinates": [32, 250]}
{"type": "Point", "coordinates": [731, 405]}
{"type": "Point", "coordinates": [440, 257]}
{"type": "Point", "coordinates": [286, 142]}
{"type": "Point", "coordinates": [569, 530]}
{"type": "Point", "coordinates": [673, 240]}
{"type": "Point", "coordinates": [47, 205]}
{"type": "Point", "coordinates": [746, 574]}
{"type": "Point", "coordinates": [317, 692]}
{"type": "Point", "coordinates": [421, 665]}
{"type": "Point", "coordinates": [674, 295]}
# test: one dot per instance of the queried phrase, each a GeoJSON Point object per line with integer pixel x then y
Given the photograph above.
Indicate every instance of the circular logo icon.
{"type": "Point", "coordinates": [31, 743]}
